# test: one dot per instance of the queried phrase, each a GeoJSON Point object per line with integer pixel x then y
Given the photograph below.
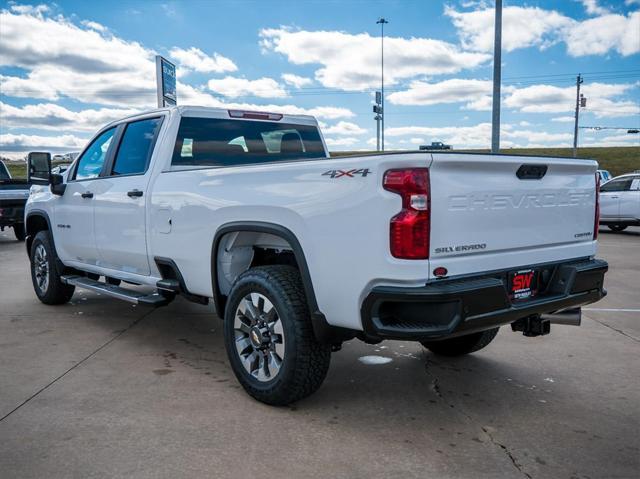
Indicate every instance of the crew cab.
{"type": "Point", "coordinates": [13, 196]}
{"type": "Point", "coordinates": [620, 202]}
{"type": "Point", "coordinates": [299, 251]}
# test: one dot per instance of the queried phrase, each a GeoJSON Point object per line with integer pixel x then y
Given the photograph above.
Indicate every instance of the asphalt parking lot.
{"type": "Point", "coordinates": [99, 388]}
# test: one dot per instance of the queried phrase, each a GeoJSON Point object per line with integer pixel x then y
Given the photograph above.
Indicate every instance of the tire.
{"type": "Point", "coordinates": [18, 230]}
{"type": "Point", "coordinates": [44, 274]}
{"type": "Point", "coordinates": [281, 332]}
{"type": "Point", "coordinates": [461, 345]}
{"type": "Point", "coordinates": [617, 228]}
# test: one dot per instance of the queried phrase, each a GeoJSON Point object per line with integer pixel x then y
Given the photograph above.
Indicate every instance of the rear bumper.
{"type": "Point", "coordinates": [448, 308]}
{"type": "Point", "coordinates": [11, 212]}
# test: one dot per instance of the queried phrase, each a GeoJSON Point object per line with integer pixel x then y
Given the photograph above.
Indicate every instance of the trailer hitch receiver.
{"type": "Point", "coordinates": [532, 326]}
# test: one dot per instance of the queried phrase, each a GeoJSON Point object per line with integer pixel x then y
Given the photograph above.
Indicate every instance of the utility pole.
{"type": "Point", "coordinates": [497, 78]}
{"type": "Point", "coordinates": [382, 21]}
{"type": "Point", "coordinates": [575, 128]}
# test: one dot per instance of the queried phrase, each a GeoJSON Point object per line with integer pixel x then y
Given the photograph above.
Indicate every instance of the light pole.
{"type": "Point", "coordinates": [382, 21]}
{"type": "Point", "coordinates": [497, 74]}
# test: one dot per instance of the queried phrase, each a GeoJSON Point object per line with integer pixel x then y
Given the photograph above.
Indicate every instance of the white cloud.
{"type": "Point", "coordinates": [49, 116]}
{"type": "Point", "coordinates": [447, 91]}
{"type": "Point", "coordinates": [295, 80]}
{"type": "Point", "coordinates": [563, 119]}
{"type": "Point", "coordinates": [479, 136]}
{"type": "Point", "coordinates": [352, 61]}
{"type": "Point", "coordinates": [196, 60]}
{"type": "Point", "coordinates": [234, 87]}
{"type": "Point", "coordinates": [597, 36]}
{"type": "Point", "coordinates": [524, 27]}
{"type": "Point", "coordinates": [346, 141]}
{"type": "Point", "coordinates": [521, 27]}
{"type": "Point", "coordinates": [194, 96]}
{"type": "Point", "coordinates": [36, 10]}
{"type": "Point", "coordinates": [524, 123]}
{"type": "Point", "coordinates": [94, 26]}
{"type": "Point", "coordinates": [592, 7]}
{"type": "Point", "coordinates": [343, 128]}
{"type": "Point", "coordinates": [62, 59]}
{"type": "Point", "coordinates": [65, 59]}
{"type": "Point", "coordinates": [554, 99]}
{"type": "Point", "coordinates": [21, 143]}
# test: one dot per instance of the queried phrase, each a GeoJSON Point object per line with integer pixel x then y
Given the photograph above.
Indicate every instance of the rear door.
{"type": "Point", "coordinates": [74, 227]}
{"type": "Point", "coordinates": [120, 199]}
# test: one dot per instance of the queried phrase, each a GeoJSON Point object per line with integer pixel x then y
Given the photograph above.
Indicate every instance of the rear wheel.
{"type": "Point", "coordinates": [461, 345]}
{"type": "Point", "coordinates": [18, 230]}
{"type": "Point", "coordinates": [269, 339]}
{"type": "Point", "coordinates": [617, 228]}
{"type": "Point", "coordinates": [44, 274]}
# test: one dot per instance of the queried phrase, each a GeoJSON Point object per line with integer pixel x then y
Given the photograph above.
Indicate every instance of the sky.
{"type": "Point", "coordinates": [69, 67]}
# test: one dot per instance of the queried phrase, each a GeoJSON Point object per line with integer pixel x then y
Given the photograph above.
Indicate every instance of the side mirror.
{"type": "Point", "coordinates": [39, 168]}
{"type": "Point", "coordinates": [57, 184]}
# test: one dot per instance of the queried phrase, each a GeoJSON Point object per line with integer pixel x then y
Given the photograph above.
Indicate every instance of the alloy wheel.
{"type": "Point", "coordinates": [259, 337]}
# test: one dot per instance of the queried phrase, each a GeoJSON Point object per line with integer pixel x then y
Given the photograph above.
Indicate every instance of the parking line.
{"type": "Point", "coordinates": [612, 310]}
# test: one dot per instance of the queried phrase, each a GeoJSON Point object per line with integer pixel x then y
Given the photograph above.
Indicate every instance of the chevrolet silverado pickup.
{"type": "Point", "coordinates": [13, 196]}
{"type": "Point", "coordinates": [299, 251]}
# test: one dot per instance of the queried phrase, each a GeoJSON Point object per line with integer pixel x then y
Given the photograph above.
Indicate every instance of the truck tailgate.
{"type": "Point", "coordinates": [493, 206]}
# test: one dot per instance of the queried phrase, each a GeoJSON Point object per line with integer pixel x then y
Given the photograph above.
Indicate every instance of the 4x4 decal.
{"type": "Point", "coordinates": [347, 173]}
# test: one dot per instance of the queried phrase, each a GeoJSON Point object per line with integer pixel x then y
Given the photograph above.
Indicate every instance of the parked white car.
{"type": "Point", "coordinates": [620, 202]}
{"type": "Point", "coordinates": [300, 251]}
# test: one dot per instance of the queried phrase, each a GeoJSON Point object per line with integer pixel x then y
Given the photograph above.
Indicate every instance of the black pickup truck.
{"type": "Point", "coordinates": [13, 196]}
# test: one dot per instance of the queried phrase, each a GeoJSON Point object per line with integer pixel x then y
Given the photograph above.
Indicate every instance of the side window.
{"type": "Point", "coordinates": [136, 147]}
{"type": "Point", "coordinates": [90, 163]}
{"type": "Point", "coordinates": [616, 185]}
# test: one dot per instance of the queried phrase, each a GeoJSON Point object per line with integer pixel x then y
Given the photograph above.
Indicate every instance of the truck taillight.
{"type": "Point", "coordinates": [596, 224]}
{"type": "Point", "coordinates": [409, 230]}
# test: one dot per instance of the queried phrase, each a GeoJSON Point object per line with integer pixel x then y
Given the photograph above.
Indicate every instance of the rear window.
{"type": "Point", "coordinates": [216, 142]}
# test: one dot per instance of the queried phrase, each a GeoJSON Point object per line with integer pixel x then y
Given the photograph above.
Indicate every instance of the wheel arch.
{"type": "Point", "coordinates": [36, 221]}
{"type": "Point", "coordinates": [322, 330]}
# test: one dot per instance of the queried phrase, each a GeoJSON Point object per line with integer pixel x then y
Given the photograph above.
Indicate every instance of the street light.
{"type": "Point", "coordinates": [381, 21]}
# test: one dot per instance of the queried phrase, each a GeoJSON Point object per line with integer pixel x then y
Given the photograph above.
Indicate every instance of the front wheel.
{"type": "Point", "coordinates": [617, 228]}
{"type": "Point", "coordinates": [44, 274]}
{"type": "Point", "coordinates": [269, 338]}
{"type": "Point", "coordinates": [461, 345]}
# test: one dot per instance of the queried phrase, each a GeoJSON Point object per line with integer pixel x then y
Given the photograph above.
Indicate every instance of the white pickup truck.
{"type": "Point", "coordinates": [300, 251]}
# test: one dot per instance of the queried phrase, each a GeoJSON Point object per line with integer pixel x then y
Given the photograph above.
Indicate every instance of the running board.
{"type": "Point", "coordinates": [153, 299]}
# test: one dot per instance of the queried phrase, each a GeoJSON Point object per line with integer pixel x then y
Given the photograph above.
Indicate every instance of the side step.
{"type": "Point", "coordinates": [134, 297]}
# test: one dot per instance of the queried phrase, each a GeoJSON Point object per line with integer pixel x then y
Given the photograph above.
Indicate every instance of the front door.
{"type": "Point", "coordinates": [73, 231]}
{"type": "Point", "coordinates": [120, 200]}
{"type": "Point", "coordinates": [610, 194]}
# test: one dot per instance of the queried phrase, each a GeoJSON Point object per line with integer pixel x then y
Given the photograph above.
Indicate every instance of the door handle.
{"type": "Point", "coordinates": [614, 197]}
{"type": "Point", "coordinates": [134, 194]}
{"type": "Point", "coordinates": [87, 194]}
